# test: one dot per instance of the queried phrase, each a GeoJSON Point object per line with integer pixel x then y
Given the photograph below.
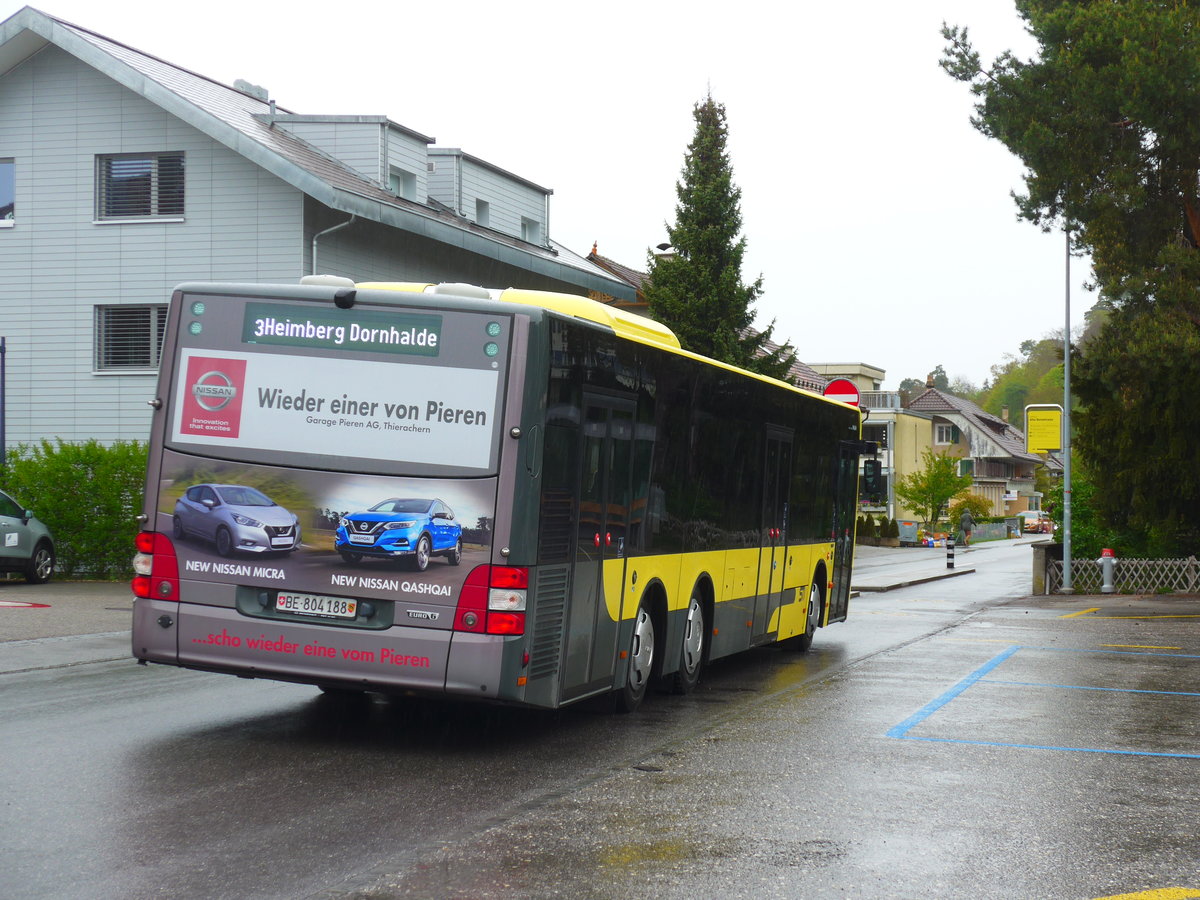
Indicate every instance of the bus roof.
{"type": "Point", "coordinates": [625, 324]}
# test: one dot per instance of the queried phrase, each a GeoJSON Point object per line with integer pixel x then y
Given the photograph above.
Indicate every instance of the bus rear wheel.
{"type": "Point", "coordinates": [691, 656]}
{"type": "Point", "coordinates": [640, 663]}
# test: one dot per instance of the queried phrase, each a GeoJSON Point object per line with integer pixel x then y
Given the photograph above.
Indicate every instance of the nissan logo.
{"type": "Point", "coordinates": [364, 526]}
{"type": "Point", "coordinates": [214, 395]}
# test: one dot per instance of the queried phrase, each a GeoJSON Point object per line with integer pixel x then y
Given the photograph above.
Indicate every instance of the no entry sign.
{"type": "Point", "coordinates": [842, 389]}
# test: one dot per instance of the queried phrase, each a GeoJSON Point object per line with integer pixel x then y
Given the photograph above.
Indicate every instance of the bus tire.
{"type": "Point", "coordinates": [640, 663]}
{"type": "Point", "coordinates": [224, 542]}
{"type": "Point", "coordinates": [816, 602]}
{"type": "Point", "coordinates": [691, 654]}
{"type": "Point", "coordinates": [420, 560]}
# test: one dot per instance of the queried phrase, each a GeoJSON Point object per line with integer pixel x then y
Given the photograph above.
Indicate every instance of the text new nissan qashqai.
{"type": "Point", "coordinates": [401, 528]}
{"type": "Point", "coordinates": [236, 517]}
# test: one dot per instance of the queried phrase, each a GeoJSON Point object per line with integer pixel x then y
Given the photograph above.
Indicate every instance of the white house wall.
{"type": "Point", "coordinates": [241, 224]}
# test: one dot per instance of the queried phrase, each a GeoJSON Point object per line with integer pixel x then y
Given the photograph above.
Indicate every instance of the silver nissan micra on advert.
{"type": "Point", "coordinates": [235, 518]}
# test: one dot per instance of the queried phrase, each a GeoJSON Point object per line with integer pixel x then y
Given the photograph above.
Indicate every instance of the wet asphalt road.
{"type": "Point", "coordinates": [953, 739]}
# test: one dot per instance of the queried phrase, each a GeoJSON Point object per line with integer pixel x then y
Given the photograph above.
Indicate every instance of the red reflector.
{"type": "Point", "coordinates": [510, 577]}
{"type": "Point", "coordinates": [505, 623]}
{"type": "Point", "coordinates": [144, 541]}
{"type": "Point", "coordinates": [471, 613]}
{"type": "Point", "coordinates": [141, 586]}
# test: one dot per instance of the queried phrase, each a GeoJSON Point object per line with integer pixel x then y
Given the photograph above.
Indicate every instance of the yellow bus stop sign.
{"type": "Point", "coordinates": [1043, 428]}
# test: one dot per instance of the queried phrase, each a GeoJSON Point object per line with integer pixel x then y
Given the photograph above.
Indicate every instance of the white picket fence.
{"type": "Point", "coordinates": [1130, 576]}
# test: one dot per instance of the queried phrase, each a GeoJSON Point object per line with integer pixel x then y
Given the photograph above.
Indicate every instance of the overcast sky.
{"type": "Point", "coordinates": [880, 220]}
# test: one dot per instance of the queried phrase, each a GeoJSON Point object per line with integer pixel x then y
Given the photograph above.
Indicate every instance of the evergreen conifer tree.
{"type": "Point", "coordinates": [697, 290]}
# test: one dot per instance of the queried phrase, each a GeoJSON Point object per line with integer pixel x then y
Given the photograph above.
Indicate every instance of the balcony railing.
{"type": "Point", "coordinates": [879, 400]}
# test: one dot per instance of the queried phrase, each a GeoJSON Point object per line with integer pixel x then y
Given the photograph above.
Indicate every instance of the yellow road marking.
{"type": "Point", "coordinates": [1158, 894]}
{"type": "Point", "coordinates": [1140, 647]}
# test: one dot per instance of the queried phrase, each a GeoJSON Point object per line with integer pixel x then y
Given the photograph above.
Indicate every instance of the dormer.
{"type": "Point", "coordinates": [489, 196]}
{"type": "Point", "coordinates": [375, 147]}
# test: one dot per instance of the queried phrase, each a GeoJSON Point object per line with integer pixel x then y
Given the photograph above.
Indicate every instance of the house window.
{"type": "Point", "coordinates": [966, 467]}
{"type": "Point", "coordinates": [945, 434]}
{"type": "Point", "coordinates": [129, 337]}
{"type": "Point", "coordinates": [139, 186]}
{"type": "Point", "coordinates": [8, 192]}
{"type": "Point", "coordinates": [402, 184]}
{"type": "Point", "coordinates": [531, 231]}
{"type": "Point", "coordinates": [483, 213]}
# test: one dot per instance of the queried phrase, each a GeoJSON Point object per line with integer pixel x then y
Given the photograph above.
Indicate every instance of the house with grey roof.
{"type": "Point", "coordinates": [122, 175]}
{"type": "Point", "coordinates": [989, 448]}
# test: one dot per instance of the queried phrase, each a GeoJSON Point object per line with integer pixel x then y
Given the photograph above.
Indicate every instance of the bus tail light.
{"type": "Point", "coordinates": [492, 600]}
{"type": "Point", "coordinates": [156, 567]}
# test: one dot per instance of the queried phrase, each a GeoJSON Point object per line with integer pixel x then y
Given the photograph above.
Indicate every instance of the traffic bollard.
{"type": "Point", "coordinates": [1108, 563]}
{"type": "Point", "coordinates": [950, 551]}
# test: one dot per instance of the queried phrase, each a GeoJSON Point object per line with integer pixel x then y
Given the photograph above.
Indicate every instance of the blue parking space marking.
{"type": "Point", "coordinates": [902, 730]}
{"type": "Point", "coordinates": [930, 708]}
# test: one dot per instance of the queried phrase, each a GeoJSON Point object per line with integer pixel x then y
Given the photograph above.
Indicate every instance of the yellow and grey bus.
{"type": "Point", "coordinates": [513, 496]}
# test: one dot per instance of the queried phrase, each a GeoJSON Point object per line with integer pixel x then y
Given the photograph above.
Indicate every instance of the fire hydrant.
{"type": "Point", "coordinates": [1107, 562]}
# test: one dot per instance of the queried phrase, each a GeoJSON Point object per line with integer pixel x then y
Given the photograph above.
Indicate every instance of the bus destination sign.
{"type": "Point", "coordinates": [410, 334]}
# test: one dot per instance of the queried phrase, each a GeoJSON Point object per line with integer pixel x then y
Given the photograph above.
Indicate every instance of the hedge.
{"type": "Point", "coordinates": [88, 494]}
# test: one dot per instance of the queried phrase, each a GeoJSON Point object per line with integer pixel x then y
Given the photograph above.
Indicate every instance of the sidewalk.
{"type": "Point", "coordinates": [44, 626]}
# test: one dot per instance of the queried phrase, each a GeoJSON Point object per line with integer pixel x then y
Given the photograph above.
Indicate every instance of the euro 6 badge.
{"type": "Point", "coordinates": [212, 403]}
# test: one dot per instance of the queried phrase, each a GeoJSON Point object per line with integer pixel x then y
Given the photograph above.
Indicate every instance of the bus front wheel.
{"type": "Point", "coordinates": [640, 663]}
{"type": "Point", "coordinates": [812, 617]}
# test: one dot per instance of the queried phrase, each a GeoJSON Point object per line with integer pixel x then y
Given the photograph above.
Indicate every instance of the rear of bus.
{"type": "Point", "coordinates": [322, 494]}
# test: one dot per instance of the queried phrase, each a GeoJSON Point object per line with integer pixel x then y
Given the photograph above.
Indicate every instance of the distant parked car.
{"type": "Point", "coordinates": [401, 528]}
{"type": "Point", "coordinates": [25, 542]}
{"type": "Point", "coordinates": [236, 518]}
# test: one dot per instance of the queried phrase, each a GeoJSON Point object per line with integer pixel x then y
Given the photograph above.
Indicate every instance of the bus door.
{"type": "Point", "coordinates": [604, 492]}
{"type": "Point", "coordinates": [773, 555]}
{"type": "Point", "coordinates": [845, 500]}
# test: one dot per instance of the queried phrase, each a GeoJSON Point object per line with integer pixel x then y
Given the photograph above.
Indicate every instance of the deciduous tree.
{"type": "Point", "coordinates": [927, 490]}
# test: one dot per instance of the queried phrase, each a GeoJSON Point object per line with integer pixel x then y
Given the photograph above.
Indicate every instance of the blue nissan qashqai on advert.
{"type": "Point", "coordinates": [396, 528]}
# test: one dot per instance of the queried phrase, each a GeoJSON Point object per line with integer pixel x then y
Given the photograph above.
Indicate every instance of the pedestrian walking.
{"type": "Point", "coordinates": [966, 524]}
